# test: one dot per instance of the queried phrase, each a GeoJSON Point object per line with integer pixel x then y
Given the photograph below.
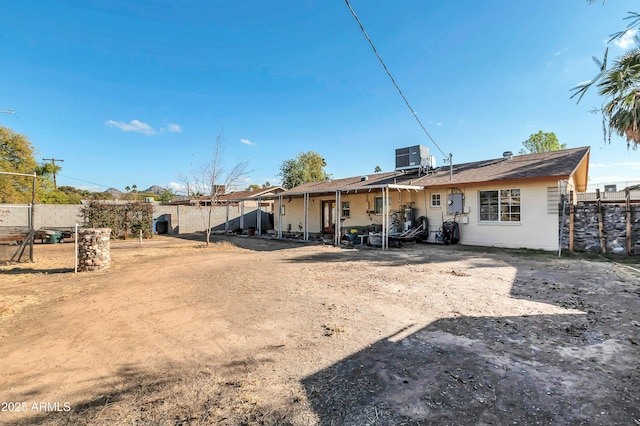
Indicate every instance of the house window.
{"type": "Point", "coordinates": [346, 211]}
{"type": "Point", "coordinates": [500, 206]}
{"type": "Point", "coordinates": [435, 200]}
{"type": "Point", "coordinates": [378, 204]}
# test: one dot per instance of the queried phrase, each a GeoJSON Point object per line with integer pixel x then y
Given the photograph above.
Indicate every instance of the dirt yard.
{"type": "Point", "coordinates": [253, 331]}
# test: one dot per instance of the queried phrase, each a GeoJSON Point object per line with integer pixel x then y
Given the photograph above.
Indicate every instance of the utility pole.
{"type": "Point", "coordinates": [53, 163]}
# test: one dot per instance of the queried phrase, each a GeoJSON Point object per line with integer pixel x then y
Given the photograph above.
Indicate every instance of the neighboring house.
{"type": "Point", "coordinates": [239, 209]}
{"type": "Point", "coordinates": [505, 202]}
{"type": "Point", "coordinates": [253, 197]}
{"type": "Point", "coordinates": [234, 198]}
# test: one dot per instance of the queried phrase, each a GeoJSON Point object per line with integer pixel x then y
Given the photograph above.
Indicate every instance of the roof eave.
{"type": "Point", "coordinates": [453, 183]}
{"type": "Point", "coordinates": [350, 189]}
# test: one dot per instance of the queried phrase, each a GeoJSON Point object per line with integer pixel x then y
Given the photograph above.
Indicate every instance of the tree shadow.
{"type": "Point", "coordinates": [250, 243]}
{"type": "Point", "coordinates": [410, 254]}
{"type": "Point", "coordinates": [575, 368]}
{"type": "Point", "coordinates": [177, 394]}
{"type": "Point", "coordinates": [30, 271]}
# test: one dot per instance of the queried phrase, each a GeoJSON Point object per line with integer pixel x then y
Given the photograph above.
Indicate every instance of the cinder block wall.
{"type": "Point", "coordinates": [14, 215]}
{"type": "Point", "coordinates": [54, 215]}
{"type": "Point", "coordinates": [62, 214]}
{"type": "Point", "coordinates": [183, 219]}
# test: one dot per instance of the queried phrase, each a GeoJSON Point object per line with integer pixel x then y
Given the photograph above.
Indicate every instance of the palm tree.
{"type": "Point", "coordinates": [621, 86]}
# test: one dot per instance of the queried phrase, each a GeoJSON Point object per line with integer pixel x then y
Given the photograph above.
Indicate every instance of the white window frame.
{"type": "Point", "coordinates": [439, 199]}
{"type": "Point", "coordinates": [507, 206]}
{"type": "Point", "coordinates": [375, 204]}
{"type": "Point", "coordinates": [346, 209]}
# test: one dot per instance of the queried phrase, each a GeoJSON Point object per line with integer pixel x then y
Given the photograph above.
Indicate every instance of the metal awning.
{"type": "Point", "coordinates": [386, 208]}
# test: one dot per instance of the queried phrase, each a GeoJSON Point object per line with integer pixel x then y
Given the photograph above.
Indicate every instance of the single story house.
{"type": "Point", "coordinates": [510, 201]}
{"type": "Point", "coordinates": [237, 209]}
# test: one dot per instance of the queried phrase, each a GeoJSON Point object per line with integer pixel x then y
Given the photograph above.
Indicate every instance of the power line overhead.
{"type": "Point", "coordinates": [415, 115]}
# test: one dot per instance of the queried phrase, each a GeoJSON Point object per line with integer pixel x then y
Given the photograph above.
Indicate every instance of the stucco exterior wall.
{"type": "Point", "coordinates": [537, 229]}
{"type": "Point", "coordinates": [361, 209]}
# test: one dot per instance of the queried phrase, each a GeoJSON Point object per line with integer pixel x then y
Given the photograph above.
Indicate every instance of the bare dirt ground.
{"type": "Point", "coordinates": [253, 331]}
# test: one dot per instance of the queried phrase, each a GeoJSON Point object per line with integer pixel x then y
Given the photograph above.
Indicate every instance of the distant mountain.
{"type": "Point", "coordinates": [154, 189]}
{"type": "Point", "coordinates": [114, 192]}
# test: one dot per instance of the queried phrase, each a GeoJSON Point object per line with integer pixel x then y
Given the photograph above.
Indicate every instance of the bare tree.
{"type": "Point", "coordinates": [213, 178]}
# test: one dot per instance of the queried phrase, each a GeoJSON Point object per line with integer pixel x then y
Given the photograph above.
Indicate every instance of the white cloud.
{"type": "Point", "coordinates": [179, 188]}
{"type": "Point", "coordinates": [174, 128]}
{"type": "Point", "coordinates": [622, 173]}
{"type": "Point", "coordinates": [620, 180]}
{"type": "Point", "coordinates": [133, 126]}
{"type": "Point", "coordinates": [560, 52]}
{"type": "Point", "coordinates": [622, 164]}
{"type": "Point", "coordinates": [92, 188]}
{"type": "Point", "coordinates": [627, 40]}
{"type": "Point", "coordinates": [247, 142]}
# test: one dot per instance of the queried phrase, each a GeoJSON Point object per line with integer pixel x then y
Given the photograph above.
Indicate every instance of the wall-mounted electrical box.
{"type": "Point", "coordinates": [454, 203]}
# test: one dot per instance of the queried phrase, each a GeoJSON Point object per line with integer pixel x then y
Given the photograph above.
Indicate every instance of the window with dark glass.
{"type": "Point", "coordinates": [500, 206]}
{"type": "Point", "coordinates": [378, 204]}
{"type": "Point", "coordinates": [346, 210]}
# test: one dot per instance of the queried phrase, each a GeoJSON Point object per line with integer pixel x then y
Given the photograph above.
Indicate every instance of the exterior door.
{"type": "Point", "coordinates": [328, 216]}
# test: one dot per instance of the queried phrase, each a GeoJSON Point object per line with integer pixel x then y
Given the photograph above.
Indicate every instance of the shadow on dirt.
{"type": "Point", "coordinates": [194, 395]}
{"type": "Point", "coordinates": [31, 271]}
{"type": "Point", "coordinates": [260, 243]}
{"type": "Point", "coordinates": [535, 369]}
{"type": "Point", "coordinates": [413, 254]}
{"type": "Point", "coordinates": [127, 381]}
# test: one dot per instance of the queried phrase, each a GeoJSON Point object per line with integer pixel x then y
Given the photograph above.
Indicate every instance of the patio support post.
{"type": "Point", "coordinates": [241, 214]}
{"type": "Point", "coordinates": [259, 216]}
{"type": "Point", "coordinates": [305, 229]}
{"type": "Point", "coordinates": [383, 221]}
{"type": "Point", "coordinates": [385, 218]}
{"type": "Point", "coordinates": [337, 231]}
{"type": "Point", "coordinates": [280, 216]}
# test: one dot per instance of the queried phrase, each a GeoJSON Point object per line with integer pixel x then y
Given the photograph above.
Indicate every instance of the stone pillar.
{"type": "Point", "coordinates": [94, 249]}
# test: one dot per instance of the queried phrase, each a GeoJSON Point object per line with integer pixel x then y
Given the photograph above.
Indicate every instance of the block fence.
{"type": "Point", "coordinates": [180, 219]}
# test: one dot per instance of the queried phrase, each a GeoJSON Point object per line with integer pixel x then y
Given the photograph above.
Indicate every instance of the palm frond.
{"type": "Point", "coordinates": [635, 22]}
{"type": "Point", "coordinates": [581, 89]}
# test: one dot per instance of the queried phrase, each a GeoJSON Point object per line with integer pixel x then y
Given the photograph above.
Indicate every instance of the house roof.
{"type": "Point", "coordinates": [243, 195]}
{"type": "Point", "coordinates": [354, 183]}
{"type": "Point", "coordinates": [231, 196]}
{"type": "Point", "coordinates": [561, 164]}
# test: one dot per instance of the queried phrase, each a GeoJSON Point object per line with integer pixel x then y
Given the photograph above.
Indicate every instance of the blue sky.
{"type": "Point", "coordinates": [136, 92]}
